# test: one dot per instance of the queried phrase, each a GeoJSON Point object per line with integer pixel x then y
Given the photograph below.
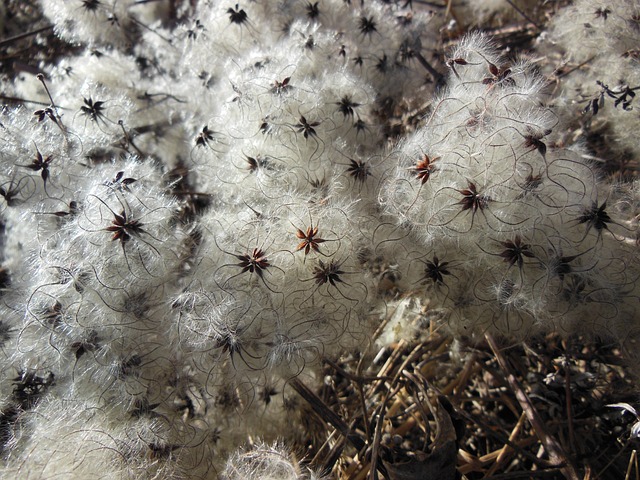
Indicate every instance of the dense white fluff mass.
{"type": "Point", "coordinates": [599, 73]}
{"type": "Point", "coordinates": [516, 236]}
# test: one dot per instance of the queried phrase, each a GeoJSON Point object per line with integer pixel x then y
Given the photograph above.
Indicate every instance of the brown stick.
{"type": "Point", "coordinates": [326, 414]}
{"type": "Point", "coordinates": [551, 445]}
{"type": "Point", "coordinates": [20, 36]}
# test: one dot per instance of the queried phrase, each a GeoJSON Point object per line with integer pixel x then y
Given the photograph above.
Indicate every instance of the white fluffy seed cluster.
{"type": "Point", "coordinates": [516, 236]}
{"type": "Point", "coordinates": [197, 211]}
{"type": "Point", "coordinates": [189, 215]}
{"type": "Point", "coordinates": [599, 74]}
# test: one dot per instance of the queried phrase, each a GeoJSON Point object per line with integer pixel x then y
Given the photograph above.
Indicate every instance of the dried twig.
{"type": "Point", "coordinates": [555, 450]}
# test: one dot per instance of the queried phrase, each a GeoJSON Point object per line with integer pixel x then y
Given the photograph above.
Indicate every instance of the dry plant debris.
{"type": "Point", "coordinates": [541, 409]}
